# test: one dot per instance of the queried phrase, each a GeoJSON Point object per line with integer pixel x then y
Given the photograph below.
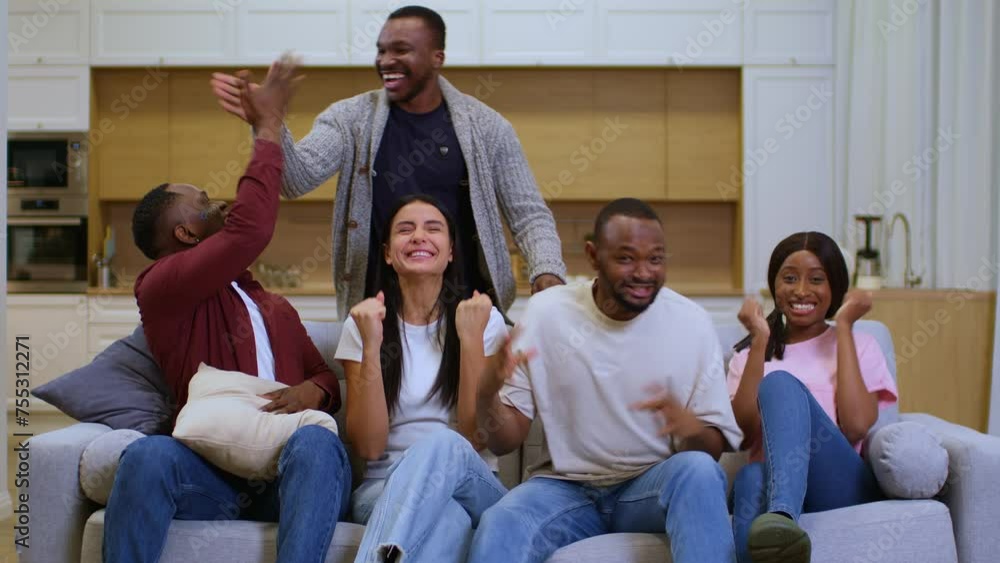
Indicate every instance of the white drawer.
{"type": "Point", "coordinates": [112, 309]}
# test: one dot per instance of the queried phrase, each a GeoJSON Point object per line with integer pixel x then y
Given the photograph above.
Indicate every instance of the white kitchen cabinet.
{"type": "Point", "coordinates": [164, 32]}
{"type": "Point", "coordinates": [56, 331]}
{"type": "Point", "coordinates": [315, 307]}
{"type": "Point", "coordinates": [539, 32]}
{"type": "Point", "coordinates": [672, 32]}
{"type": "Point", "coordinates": [48, 97]}
{"type": "Point", "coordinates": [791, 32]}
{"type": "Point", "coordinates": [788, 131]}
{"type": "Point", "coordinates": [317, 30]}
{"type": "Point", "coordinates": [52, 32]}
{"type": "Point", "coordinates": [463, 29]}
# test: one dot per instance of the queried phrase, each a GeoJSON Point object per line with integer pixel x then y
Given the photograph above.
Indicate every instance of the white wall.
{"type": "Point", "coordinates": [5, 505]}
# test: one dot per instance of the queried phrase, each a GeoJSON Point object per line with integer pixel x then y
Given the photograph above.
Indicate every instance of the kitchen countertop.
{"type": "Point", "coordinates": [686, 289]}
{"type": "Point", "coordinates": [319, 290]}
{"type": "Point", "coordinates": [918, 294]}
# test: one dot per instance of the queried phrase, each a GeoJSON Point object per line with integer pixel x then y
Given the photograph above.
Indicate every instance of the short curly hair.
{"type": "Point", "coordinates": [147, 218]}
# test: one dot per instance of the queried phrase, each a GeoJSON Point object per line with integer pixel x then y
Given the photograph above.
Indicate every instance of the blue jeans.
{"type": "Point", "coordinates": [809, 465]}
{"type": "Point", "coordinates": [159, 479]}
{"type": "Point", "coordinates": [433, 497]}
{"type": "Point", "coordinates": [684, 496]}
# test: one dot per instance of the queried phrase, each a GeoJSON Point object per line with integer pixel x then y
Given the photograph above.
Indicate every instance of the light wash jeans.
{"type": "Point", "coordinates": [809, 465]}
{"type": "Point", "coordinates": [684, 495]}
{"type": "Point", "coordinates": [430, 502]}
{"type": "Point", "coordinates": [160, 479]}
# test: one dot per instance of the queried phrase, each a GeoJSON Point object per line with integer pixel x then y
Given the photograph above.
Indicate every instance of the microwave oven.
{"type": "Point", "coordinates": [46, 165]}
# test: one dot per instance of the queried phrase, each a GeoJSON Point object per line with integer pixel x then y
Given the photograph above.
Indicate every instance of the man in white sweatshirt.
{"type": "Point", "coordinates": [627, 378]}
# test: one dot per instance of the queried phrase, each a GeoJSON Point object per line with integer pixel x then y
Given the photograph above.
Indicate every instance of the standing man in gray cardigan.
{"type": "Point", "coordinates": [418, 134]}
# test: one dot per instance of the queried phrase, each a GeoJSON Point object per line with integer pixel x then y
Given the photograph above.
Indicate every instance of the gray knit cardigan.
{"type": "Point", "coordinates": [345, 139]}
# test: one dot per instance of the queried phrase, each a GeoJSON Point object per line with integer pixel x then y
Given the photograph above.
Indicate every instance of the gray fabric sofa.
{"type": "Point", "coordinates": [961, 525]}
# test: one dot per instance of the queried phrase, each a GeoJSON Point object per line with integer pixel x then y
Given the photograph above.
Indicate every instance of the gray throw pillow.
{"type": "Point", "coordinates": [908, 461]}
{"type": "Point", "coordinates": [99, 463]}
{"type": "Point", "coordinates": [122, 388]}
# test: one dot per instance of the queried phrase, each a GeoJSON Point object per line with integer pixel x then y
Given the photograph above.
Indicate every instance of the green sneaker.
{"type": "Point", "coordinates": [775, 538]}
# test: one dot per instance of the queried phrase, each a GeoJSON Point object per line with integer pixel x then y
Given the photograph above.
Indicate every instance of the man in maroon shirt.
{"type": "Point", "coordinates": [199, 303]}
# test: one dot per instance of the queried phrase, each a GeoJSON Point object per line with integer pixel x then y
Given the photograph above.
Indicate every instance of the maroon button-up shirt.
{"type": "Point", "coordinates": [192, 314]}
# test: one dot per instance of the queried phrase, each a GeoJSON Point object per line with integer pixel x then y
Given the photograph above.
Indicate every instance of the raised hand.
{"type": "Point", "coordinates": [751, 316]}
{"type": "Point", "coordinates": [678, 421]}
{"type": "Point", "coordinates": [472, 316]}
{"type": "Point", "coordinates": [368, 315]}
{"type": "Point", "coordinates": [266, 105]}
{"type": "Point", "coordinates": [227, 88]}
{"type": "Point", "coordinates": [856, 304]}
{"type": "Point", "coordinates": [506, 361]}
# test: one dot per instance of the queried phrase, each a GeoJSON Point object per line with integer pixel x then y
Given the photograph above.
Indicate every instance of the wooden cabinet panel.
{"type": "Point", "coordinates": [208, 147]}
{"type": "Point", "coordinates": [703, 135]}
{"type": "Point", "coordinates": [944, 344]}
{"type": "Point", "coordinates": [131, 135]}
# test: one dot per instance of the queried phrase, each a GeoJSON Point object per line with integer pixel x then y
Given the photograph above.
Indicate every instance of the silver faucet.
{"type": "Point", "coordinates": [910, 278]}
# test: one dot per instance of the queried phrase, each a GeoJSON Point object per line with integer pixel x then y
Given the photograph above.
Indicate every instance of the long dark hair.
{"type": "Point", "coordinates": [829, 255]}
{"type": "Point", "coordinates": [387, 280]}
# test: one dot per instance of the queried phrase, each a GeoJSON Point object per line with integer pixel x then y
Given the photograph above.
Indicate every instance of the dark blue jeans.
{"type": "Point", "coordinates": [159, 480]}
{"type": "Point", "coordinates": [809, 466]}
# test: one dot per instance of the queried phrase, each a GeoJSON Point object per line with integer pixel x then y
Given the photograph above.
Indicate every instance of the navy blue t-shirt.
{"type": "Point", "coordinates": [420, 154]}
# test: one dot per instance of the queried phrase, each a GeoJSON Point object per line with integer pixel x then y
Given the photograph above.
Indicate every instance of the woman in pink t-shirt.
{"type": "Point", "coordinates": [804, 421]}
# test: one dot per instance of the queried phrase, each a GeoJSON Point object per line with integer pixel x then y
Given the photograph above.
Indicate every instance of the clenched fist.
{"type": "Point", "coordinates": [472, 316]}
{"type": "Point", "coordinates": [857, 303]}
{"type": "Point", "coordinates": [368, 315]}
{"type": "Point", "coordinates": [751, 316]}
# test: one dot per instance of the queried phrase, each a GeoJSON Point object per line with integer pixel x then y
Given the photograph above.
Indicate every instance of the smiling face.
{"type": "Point", "coordinates": [802, 291]}
{"type": "Point", "coordinates": [419, 241]}
{"type": "Point", "coordinates": [408, 59]}
{"type": "Point", "coordinates": [630, 259]}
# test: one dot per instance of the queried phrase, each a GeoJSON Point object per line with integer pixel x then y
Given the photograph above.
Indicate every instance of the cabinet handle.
{"type": "Point", "coordinates": [793, 60]}
{"type": "Point", "coordinates": [41, 125]}
{"type": "Point", "coordinates": [39, 59]}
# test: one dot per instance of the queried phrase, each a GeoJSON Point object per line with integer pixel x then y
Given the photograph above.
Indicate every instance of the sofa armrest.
{"type": "Point", "coordinates": [58, 507]}
{"type": "Point", "coordinates": [971, 492]}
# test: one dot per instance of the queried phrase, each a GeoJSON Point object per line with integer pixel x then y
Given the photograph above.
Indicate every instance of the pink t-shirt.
{"type": "Point", "coordinates": [814, 363]}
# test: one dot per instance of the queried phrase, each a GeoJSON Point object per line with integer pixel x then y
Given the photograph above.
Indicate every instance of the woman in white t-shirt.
{"type": "Point", "coordinates": [413, 355]}
{"type": "Point", "coordinates": [803, 421]}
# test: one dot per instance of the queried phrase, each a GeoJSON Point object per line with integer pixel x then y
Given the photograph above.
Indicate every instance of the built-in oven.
{"type": "Point", "coordinates": [46, 165]}
{"type": "Point", "coordinates": [47, 245]}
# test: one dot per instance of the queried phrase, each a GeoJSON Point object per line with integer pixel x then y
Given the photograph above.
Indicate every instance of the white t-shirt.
{"type": "Point", "coordinates": [589, 369]}
{"type": "Point", "coordinates": [417, 416]}
{"type": "Point", "coordinates": [265, 358]}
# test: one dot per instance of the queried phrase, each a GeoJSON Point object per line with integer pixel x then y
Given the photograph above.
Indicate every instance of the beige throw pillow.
{"type": "Point", "coordinates": [223, 423]}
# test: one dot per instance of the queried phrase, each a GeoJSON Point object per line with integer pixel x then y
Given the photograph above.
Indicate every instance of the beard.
{"type": "Point", "coordinates": [620, 296]}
